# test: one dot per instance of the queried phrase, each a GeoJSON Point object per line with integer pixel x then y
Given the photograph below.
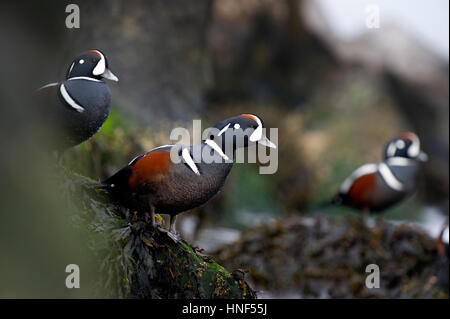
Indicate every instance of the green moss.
{"type": "Point", "coordinates": [137, 261]}
{"type": "Point", "coordinates": [115, 120]}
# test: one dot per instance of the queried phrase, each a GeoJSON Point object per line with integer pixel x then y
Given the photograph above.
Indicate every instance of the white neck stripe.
{"type": "Point", "coordinates": [69, 99]}
{"type": "Point", "coordinates": [187, 157]}
{"type": "Point", "coordinates": [389, 177]}
{"type": "Point", "coordinates": [398, 161]}
{"type": "Point", "coordinates": [216, 148]}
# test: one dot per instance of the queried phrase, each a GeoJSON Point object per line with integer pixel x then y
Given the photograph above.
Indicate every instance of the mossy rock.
{"type": "Point", "coordinates": [139, 261]}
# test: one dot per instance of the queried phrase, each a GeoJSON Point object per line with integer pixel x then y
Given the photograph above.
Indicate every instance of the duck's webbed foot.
{"type": "Point", "coordinates": [152, 216]}
{"type": "Point", "coordinates": [173, 219]}
{"type": "Point", "coordinates": [171, 232]}
{"type": "Point", "coordinates": [175, 237]}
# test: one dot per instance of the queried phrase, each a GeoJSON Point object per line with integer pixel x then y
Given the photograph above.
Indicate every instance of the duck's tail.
{"type": "Point", "coordinates": [334, 201]}
{"type": "Point", "coordinates": [100, 185]}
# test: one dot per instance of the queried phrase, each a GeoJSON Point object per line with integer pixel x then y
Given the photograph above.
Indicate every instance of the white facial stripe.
{"type": "Point", "coordinates": [224, 129]}
{"type": "Point", "coordinates": [216, 148]}
{"type": "Point", "coordinates": [188, 159]}
{"type": "Point", "coordinates": [361, 171]}
{"type": "Point", "coordinates": [100, 68]}
{"type": "Point", "coordinates": [69, 99]}
{"type": "Point", "coordinates": [84, 78]}
{"type": "Point", "coordinates": [389, 178]}
{"type": "Point", "coordinates": [414, 149]}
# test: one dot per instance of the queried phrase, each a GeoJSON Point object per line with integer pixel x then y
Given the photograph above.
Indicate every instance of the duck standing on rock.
{"type": "Point", "coordinates": [154, 183]}
{"type": "Point", "coordinates": [376, 186]}
{"type": "Point", "coordinates": [76, 108]}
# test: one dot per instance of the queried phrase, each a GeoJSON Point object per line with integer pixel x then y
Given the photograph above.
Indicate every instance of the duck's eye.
{"type": "Point", "coordinates": [237, 126]}
{"type": "Point", "coordinates": [81, 61]}
{"type": "Point", "coordinates": [94, 60]}
{"type": "Point", "coordinates": [211, 137]}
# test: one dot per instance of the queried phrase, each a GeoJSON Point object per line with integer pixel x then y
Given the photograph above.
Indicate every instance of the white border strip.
{"type": "Point", "coordinates": [69, 100]}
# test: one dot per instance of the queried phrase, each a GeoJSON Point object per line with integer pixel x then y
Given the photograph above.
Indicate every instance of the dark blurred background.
{"type": "Point", "coordinates": [336, 90]}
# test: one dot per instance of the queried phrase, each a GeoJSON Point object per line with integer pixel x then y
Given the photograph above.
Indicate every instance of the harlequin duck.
{"type": "Point", "coordinates": [171, 179]}
{"type": "Point", "coordinates": [377, 186]}
{"type": "Point", "coordinates": [76, 108]}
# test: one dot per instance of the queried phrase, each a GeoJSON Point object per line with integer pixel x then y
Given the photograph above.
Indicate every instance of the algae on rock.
{"type": "Point", "coordinates": [138, 261]}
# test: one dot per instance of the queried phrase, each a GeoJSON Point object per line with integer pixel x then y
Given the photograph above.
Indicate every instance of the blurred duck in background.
{"type": "Point", "coordinates": [376, 186]}
{"type": "Point", "coordinates": [76, 108]}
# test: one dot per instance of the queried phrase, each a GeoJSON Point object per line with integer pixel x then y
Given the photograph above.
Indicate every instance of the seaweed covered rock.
{"type": "Point", "coordinates": [138, 261]}
{"type": "Point", "coordinates": [322, 257]}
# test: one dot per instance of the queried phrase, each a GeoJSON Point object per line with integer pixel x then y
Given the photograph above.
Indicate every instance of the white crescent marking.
{"type": "Point", "coordinates": [389, 177]}
{"type": "Point", "coordinates": [101, 65]}
{"type": "Point", "coordinates": [187, 157]}
{"type": "Point", "coordinates": [69, 100]}
{"type": "Point", "coordinates": [257, 134]}
{"type": "Point", "coordinates": [216, 148]}
{"type": "Point", "coordinates": [414, 149]}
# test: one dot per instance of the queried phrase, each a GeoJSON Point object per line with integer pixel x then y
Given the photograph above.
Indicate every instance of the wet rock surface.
{"type": "Point", "coordinates": [322, 257]}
